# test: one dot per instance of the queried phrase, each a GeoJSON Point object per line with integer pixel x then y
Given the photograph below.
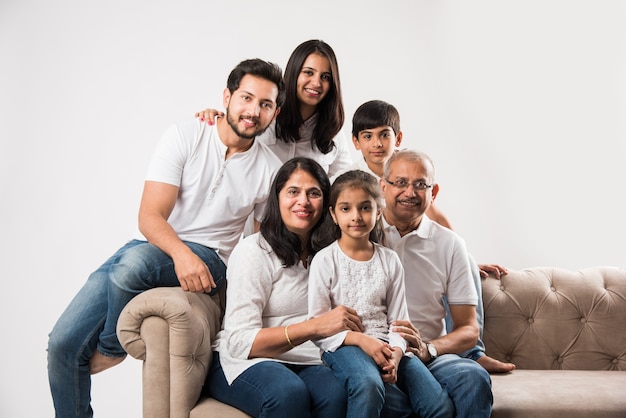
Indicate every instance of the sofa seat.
{"type": "Point", "coordinates": [565, 331]}
{"type": "Point", "coordinates": [559, 394]}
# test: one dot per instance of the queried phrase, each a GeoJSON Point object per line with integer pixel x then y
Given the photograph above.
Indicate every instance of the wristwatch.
{"type": "Point", "coordinates": [432, 350]}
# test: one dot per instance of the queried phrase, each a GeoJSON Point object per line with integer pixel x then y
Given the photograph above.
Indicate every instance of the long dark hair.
{"type": "Point", "coordinates": [330, 113]}
{"type": "Point", "coordinates": [357, 179]}
{"type": "Point", "coordinates": [286, 244]}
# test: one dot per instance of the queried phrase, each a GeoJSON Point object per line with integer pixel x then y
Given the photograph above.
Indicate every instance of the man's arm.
{"type": "Point", "coordinates": [157, 203]}
{"type": "Point", "coordinates": [465, 333]}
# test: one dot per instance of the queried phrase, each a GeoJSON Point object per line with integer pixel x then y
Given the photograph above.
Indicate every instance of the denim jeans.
{"type": "Point", "coordinates": [367, 392]}
{"type": "Point", "coordinates": [479, 349]}
{"type": "Point", "coordinates": [467, 383]}
{"type": "Point", "coordinates": [89, 322]}
{"type": "Point", "coordinates": [279, 390]}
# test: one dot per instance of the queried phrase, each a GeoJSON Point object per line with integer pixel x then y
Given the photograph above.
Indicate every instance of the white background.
{"type": "Point", "coordinates": [521, 104]}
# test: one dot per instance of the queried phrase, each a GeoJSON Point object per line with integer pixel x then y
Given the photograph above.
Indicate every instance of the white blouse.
{"type": "Point", "coordinates": [261, 293]}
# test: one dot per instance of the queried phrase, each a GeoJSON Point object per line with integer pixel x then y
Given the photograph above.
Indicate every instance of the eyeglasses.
{"type": "Point", "coordinates": [403, 184]}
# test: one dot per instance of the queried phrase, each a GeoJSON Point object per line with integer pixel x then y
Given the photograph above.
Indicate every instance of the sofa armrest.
{"type": "Point", "coordinates": [171, 331]}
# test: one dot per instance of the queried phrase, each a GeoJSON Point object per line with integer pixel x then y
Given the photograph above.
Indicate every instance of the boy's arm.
{"type": "Point", "coordinates": [435, 214]}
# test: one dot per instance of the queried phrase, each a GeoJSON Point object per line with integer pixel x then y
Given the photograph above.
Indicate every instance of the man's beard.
{"type": "Point", "coordinates": [233, 124]}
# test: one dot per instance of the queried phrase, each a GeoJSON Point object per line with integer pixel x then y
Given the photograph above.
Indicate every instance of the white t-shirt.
{"type": "Point", "coordinates": [436, 263]}
{"type": "Point", "coordinates": [216, 194]}
{"type": "Point", "coordinates": [374, 288]}
{"type": "Point", "coordinates": [336, 160]}
{"type": "Point", "coordinates": [261, 293]}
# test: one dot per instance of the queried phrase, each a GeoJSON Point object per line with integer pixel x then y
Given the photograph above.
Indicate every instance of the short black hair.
{"type": "Point", "coordinates": [373, 114]}
{"type": "Point", "coordinates": [263, 69]}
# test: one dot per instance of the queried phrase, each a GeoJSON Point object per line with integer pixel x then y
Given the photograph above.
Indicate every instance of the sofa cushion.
{"type": "Point", "coordinates": [559, 394]}
{"type": "Point", "coordinates": [209, 407]}
{"type": "Point", "coordinates": [552, 318]}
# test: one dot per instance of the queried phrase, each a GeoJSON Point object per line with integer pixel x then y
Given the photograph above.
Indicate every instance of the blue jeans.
{"type": "Point", "coordinates": [89, 322]}
{"type": "Point", "coordinates": [467, 383]}
{"type": "Point", "coordinates": [479, 349]}
{"type": "Point", "coordinates": [280, 390]}
{"type": "Point", "coordinates": [367, 392]}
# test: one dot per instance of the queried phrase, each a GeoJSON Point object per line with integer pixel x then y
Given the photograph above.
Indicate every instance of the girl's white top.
{"type": "Point", "coordinates": [374, 288]}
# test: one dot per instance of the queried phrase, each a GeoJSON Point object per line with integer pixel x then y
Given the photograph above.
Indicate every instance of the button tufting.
{"type": "Point", "coordinates": [531, 320]}
{"type": "Point", "coordinates": [583, 320]}
{"type": "Point", "coordinates": [553, 288]}
{"type": "Point", "coordinates": [615, 361]}
{"type": "Point", "coordinates": [501, 287]}
{"type": "Point", "coordinates": [559, 360]}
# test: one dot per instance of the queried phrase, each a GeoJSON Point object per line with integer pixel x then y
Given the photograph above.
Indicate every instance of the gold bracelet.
{"type": "Point", "coordinates": [288, 339]}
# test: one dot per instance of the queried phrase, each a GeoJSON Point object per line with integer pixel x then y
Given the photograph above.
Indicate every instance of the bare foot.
{"type": "Point", "coordinates": [495, 366]}
{"type": "Point", "coordinates": [99, 362]}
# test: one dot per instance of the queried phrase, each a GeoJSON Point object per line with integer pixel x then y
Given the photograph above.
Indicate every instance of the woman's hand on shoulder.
{"type": "Point", "coordinates": [209, 115]}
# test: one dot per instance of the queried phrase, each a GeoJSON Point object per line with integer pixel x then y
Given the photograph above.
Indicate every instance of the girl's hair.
{"type": "Point", "coordinates": [286, 244]}
{"type": "Point", "coordinates": [330, 113]}
{"type": "Point", "coordinates": [374, 114]}
{"type": "Point", "coordinates": [353, 179]}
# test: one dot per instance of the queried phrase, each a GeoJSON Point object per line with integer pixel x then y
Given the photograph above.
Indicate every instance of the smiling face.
{"type": "Point", "coordinates": [251, 108]}
{"type": "Point", "coordinates": [314, 81]}
{"type": "Point", "coordinates": [409, 204]}
{"type": "Point", "coordinates": [301, 203]}
{"type": "Point", "coordinates": [376, 145]}
{"type": "Point", "coordinates": [355, 212]}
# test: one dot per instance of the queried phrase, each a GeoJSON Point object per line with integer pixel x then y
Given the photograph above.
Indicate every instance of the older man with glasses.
{"type": "Point", "coordinates": [437, 271]}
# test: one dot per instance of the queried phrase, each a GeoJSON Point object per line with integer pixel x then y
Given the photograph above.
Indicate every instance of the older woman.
{"type": "Point", "coordinates": [265, 363]}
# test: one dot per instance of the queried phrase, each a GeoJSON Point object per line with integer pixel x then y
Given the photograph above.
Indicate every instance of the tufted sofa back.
{"type": "Point", "coordinates": [552, 318]}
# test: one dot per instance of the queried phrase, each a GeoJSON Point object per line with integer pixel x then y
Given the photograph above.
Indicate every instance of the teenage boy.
{"type": "Point", "coordinates": [376, 133]}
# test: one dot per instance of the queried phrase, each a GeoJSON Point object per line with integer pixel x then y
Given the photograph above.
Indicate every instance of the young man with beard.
{"type": "Point", "coordinates": [202, 183]}
{"type": "Point", "coordinates": [436, 266]}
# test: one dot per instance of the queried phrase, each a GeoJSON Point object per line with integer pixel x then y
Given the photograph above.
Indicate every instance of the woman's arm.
{"type": "Point", "coordinates": [271, 342]}
{"type": "Point", "coordinates": [251, 274]}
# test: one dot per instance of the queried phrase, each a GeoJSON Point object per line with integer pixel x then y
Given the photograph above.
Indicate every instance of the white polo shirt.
{"type": "Point", "coordinates": [435, 263]}
{"type": "Point", "coordinates": [216, 194]}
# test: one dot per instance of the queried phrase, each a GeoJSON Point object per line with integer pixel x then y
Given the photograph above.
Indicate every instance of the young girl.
{"type": "Point", "coordinates": [356, 271]}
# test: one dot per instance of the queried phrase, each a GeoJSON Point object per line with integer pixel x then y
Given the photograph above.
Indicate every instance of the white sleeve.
{"type": "Point", "coordinates": [461, 287]}
{"type": "Point", "coordinates": [168, 159]}
{"type": "Point", "coordinates": [343, 159]}
{"type": "Point", "coordinates": [249, 285]}
{"type": "Point", "coordinates": [322, 273]}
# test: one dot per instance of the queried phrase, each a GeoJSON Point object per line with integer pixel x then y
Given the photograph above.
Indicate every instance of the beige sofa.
{"type": "Point", "coordinates": [565, 331]}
